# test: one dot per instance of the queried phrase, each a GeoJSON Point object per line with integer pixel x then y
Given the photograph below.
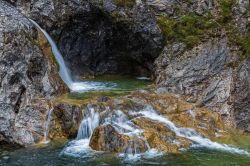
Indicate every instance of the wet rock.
{"type": "Point", "coordinates": [123, 129]}
{"type": "Point", "coordinates": [26, 83]}
{"type": "Point", "coordinates": [66, 120]}
{"type": "Point", "coordinates": [106, 138]}
{"type": "Point", "coordinates": [100, 37]}
{"type": "Point", "coordinates": [160, 137]}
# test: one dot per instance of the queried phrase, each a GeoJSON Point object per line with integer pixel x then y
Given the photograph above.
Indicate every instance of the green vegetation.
{"type": "Point", "coordinates": [124, 3]}
{"type": "Point", "coordinates": [189, 28]}
{"type": "Point", "coordinates": [192, 29]}
{"type": "Point", "coordinates": [226, 22]}
{"type": "Point", "coordinates": [225, 10]}
{"type": "Point", "coordinates": [246, 43]}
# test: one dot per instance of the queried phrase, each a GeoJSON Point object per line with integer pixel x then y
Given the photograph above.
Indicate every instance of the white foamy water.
{"type": "Point", "coordinates": [188, 133]}
{"type": "Point", "coordinates": [78, 148]}
{"type": "Point", "coordinates": [88, 124]}
{"type": "Point", "coordinates": [143, 78]}
{"type": "Point", "coordinates": [47, 125]}
{"type": "Point", "coordinates": [64, 73]}
{"type": "Point", "coordinates": [123, 124]}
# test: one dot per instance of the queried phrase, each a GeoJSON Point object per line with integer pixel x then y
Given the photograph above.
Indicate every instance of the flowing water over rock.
{"type": "Point", "coordinates": [75, 86]}
{"type": "Point", "coordinates": [47, 125]}
{"type": "Point", "coordinates": [124, 131]}
{"type": "Point", "coordinates": [188, 133]}
{"type": "Point", "coordinates": [88, 124]}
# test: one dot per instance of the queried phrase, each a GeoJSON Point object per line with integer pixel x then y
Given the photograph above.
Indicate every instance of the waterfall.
{"type": "Point", "coordinates": [80, 147]}
{"type": "Point", "coordinates": [65, 74]}
{"type": "Point", "coordinates": [88, 124]}
{"type": "Point", "coordinates": [47, 125]}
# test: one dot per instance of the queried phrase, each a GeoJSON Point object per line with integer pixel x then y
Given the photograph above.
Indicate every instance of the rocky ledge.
{"type": "Point", "coordinates": [122, 125]}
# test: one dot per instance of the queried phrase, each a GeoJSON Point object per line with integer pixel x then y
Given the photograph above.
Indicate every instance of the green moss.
{"type": "Point", "coordinates": [191, 40]}
{"type": "Point", "coordinates": [225, 10]}
{"type": "Point", "coordinates": [246, 43]}
{"type": "Point", "coordinates": [227, 22]}
{"type": "Point", "coordinates": [189, 28]}
{"type": "Point", "coordinates": [124, 3]}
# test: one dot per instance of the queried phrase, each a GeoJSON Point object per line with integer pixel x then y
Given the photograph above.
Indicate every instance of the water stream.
{"type": "Point", "coordinates": [80, 146]}
{"type": "Point", "coordinates": [189, 133]}
{"type": "Point", "coordinates": [47, 125]}
{"type": "Point", "coordinates": [64, 73]}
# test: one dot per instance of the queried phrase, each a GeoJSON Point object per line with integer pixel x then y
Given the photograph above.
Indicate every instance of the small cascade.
{"type": "Point", "coordinates": [64, 73]}
{"type": "Point", "coordinates": [88, 124]}
{"type": "Point", "coordinates": [124, 125]}
{"type": "Point", "coordinates": [47, 125]}
{"type": "Point", "coordinates": [188, 133]}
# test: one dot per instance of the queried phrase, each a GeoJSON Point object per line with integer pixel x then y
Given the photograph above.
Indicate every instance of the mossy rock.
{"type": "Point", "coordinates": [124, 3]}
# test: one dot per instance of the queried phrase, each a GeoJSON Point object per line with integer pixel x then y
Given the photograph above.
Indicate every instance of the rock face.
{"type": "Point", "coordinates": [204, 75]}
{"type": "Point", "coordinates": [28, 79]}
{"type": "Point", "coordinates": [177, 7]}
{"type": "Point", "coordinates": [241, 101]}
{"type": "Point", "coordinates": [66, 120]}
{"type": "Point", "coordinates": [213, 72]}
{"type": "Point", "coordinates": [201, 75]}
{"type": "Point", "coordinates": [100, 37]}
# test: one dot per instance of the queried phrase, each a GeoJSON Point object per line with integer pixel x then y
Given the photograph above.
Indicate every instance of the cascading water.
{"type": "Point", "coordinates": [47, 125]}
{"type": "Point", "coordinates": [65, 74]}
{"type": "Point", "coordinates": [80, 146]}
{"type": "Point", "coordinates": [188, 133]}
{"type": "Point", "coordinates": [124, 125]}
{"type": "Point", "coordinates": [88, 124]}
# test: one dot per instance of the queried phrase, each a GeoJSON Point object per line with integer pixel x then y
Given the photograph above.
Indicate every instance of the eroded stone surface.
{"type": "Point", "coordinates": [26, 79]}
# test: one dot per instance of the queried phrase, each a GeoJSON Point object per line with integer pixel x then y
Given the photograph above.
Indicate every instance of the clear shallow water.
{"type": "Point", "coordinates": [51, 155]}
{"type": "Point", "coordinates": [116, 85]}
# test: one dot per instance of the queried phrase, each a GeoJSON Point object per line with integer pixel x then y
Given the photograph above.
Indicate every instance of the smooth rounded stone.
{"type": "Point", "coordinates": [106, 138]}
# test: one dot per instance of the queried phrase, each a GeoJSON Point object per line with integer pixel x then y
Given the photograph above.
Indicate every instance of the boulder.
{"type": "Point", "coordinates": [106, 138]}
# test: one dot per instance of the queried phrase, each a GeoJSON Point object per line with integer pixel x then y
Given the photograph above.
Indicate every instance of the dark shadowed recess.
{"type": "Point", "coordinates": [93, 43]}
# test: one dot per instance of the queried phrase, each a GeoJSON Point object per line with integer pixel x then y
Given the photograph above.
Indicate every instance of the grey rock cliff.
{"type": "Point", "coordinates": [25, 79]}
